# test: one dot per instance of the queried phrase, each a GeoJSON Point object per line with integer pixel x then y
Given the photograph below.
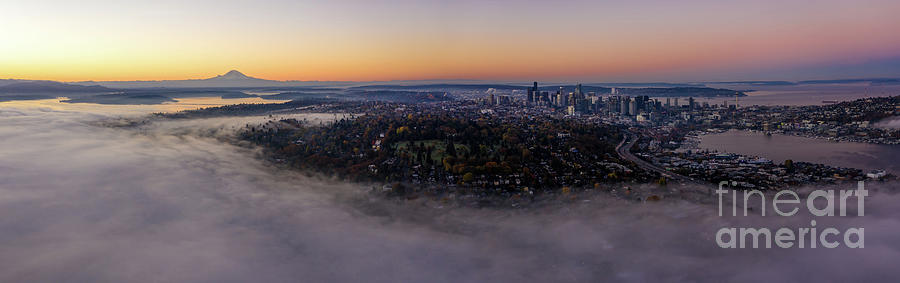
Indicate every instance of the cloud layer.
{"type": "Point", "coordinates": [165, 203]}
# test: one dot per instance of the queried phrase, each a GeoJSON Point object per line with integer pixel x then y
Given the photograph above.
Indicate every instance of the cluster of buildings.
{"type": "Point", "coordinates": [581, 102]}
{"type": "Point", "coordinates": [848, 121]}
{"type": "Point", "coordinates": [639, 108]}
{"type": "Point", "coordinates": [751, 172]}
{"type": "Point", "coordinates": [662, 126]}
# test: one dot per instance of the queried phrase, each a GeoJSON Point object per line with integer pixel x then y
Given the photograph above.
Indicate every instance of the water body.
{"type": "Point", "coordinates": [806, 94]}
{"type": "Point", "coordinates": [781, 147]}
{"type": "Point", "coordinates": [169, 202]}
{"type": "Point", "coordinates": [180, 104]}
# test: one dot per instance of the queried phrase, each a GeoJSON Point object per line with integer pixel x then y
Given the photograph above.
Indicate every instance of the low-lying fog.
{"type": "Point", "coordinates": [889, 123]}
{"type": "Point", "coordinates": [85, 203]}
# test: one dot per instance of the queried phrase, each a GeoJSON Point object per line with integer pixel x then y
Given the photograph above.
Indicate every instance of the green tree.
{"type": "Point", "coordinates": [468, 177]}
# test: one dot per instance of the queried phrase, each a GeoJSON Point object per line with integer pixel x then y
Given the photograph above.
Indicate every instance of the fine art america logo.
{"type": "Point", "coordinates": [786, 203]}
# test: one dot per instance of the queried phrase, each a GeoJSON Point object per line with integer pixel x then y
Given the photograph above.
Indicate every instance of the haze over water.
{"type": "Point", "coordinates": [100, 189]}
{"type": "Point", "coordinates": [170, 202]}
{"type": "Point", "coordinates": [805, 94]}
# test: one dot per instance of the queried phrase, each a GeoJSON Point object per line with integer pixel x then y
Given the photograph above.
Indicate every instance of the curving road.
{"type": "Point", "coordinates": [623, 150]}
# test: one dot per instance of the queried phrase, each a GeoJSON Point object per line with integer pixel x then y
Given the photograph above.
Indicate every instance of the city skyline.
{"type": "Point", "coordinates": [449, 141]}
{"type": "Point", "coordinates": [434, 40]}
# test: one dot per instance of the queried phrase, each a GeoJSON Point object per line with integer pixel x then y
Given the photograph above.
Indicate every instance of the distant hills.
{"type": "Point", "coordinates": [870, 81]}
{"type": "Point", "coordinates": [682, 91]}
{"type": "Point", "coordinates": [699, 91]}
{"type": "Point", "coordinates": [231, 79]}
{"type": "Point", "coordinates": [236, 79]}
{"type": "Point", "coordinates": [31, 90]}
{"type": "Point", "coordinates": [234, 84]}
{"type": "Point", "coordinates": [49, 87]}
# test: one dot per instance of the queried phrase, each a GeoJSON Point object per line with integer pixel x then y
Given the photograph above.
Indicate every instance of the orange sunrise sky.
{"type": "Point", "coordinates": [487, 40]}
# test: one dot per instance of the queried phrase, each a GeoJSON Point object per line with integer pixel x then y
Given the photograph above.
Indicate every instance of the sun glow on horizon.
{"type": "Point", "coordinates": [406, 40]}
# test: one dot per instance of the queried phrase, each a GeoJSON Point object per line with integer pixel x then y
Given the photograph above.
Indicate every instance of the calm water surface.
{"type": "Point", "coordinates": [799, 94]}
{"type": "Point", "coordinates": [781, 147]}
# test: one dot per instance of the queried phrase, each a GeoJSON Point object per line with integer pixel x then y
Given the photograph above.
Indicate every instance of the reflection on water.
{"type": "Point", "coordinates": [179, 105]}
{"type": "Point", "coordinates": [781, 147]}
{"type": "Point", "coordinates": [799, 94]}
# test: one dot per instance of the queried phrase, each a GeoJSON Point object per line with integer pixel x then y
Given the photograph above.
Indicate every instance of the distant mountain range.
{"type": "Point", "coordinates": [235, 84]}
{"type": "Point", "coordinates": [231, 79]}
{"type": "Point", "coordinates": [30, 90]}
{"type": "Point", "coordinates": [236, 79]}
{"type": "Point", "coordinates": [49, 87]}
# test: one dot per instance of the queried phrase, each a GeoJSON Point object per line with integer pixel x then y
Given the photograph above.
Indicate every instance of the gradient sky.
{"type": "Point", "coordinates": [450, 39]}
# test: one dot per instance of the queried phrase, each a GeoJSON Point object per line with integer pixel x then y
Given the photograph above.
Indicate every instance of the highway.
{"type": "Point", "coordinates": [623, 150]}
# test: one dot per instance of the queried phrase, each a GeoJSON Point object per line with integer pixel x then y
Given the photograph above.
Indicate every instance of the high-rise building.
{"type": "Point", "coordinates": [532, 91]}
{"type": "Point", "coordinates": [632, 107]}
{"type": "Point", "coordinates": [613, 104]}
{"type": "Point", "coordinates": [560, 98]}
{"type": "Point", "coordinates": [641, 103]}
{"type": "Point", "coordinates": [573, 98]}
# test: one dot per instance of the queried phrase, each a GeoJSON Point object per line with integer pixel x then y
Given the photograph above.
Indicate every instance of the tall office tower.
{"type": "Point", "coordinates": [573, 99]}
{"type": "Point", "coordinates": [639, 103]}
{"type": "Point", "coordinates": [676, 102]}
{"type": "Point", "coordinates": [613, 91]}
{"type": "Point", "coordinates": [623, 108]}
{"type": "Point", "coordinates": [616, 103]}
{"type": "Point", "coordinates": [668, 102]}
{"type": "Point", "coordinates": [560, 99]}
{"type": "Point", "coordinates": [491, 98]}
{"type": "Point", "coordinates": [579, 93]}
{"type": "Point", "coordinates": [613, 104]}
{"type": "Point", "coordinates": [691, 103]}
{"type": "Point", "coordinates": [632, 107]}
{"type": "Point", "coordinates": [530, 97]}
{"type": "Point", "coordinates": [545, 97]}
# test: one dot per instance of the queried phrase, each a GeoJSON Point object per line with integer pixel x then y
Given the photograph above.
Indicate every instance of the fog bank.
{"type": "Point", "coordinates": [86, 203]}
